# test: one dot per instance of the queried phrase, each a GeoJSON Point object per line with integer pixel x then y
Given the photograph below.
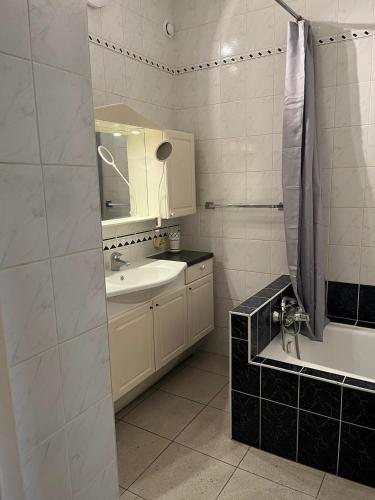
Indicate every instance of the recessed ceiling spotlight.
{"type": "Point", "coordinates": [136, 132]}
{"type": "Point", "coordinates": [117, 134]}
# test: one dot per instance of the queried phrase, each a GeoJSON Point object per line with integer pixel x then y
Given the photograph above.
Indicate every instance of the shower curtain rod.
{"type": "Point", "coordinates": [289, 9]}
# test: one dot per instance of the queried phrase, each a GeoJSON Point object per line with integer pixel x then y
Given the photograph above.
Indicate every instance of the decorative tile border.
{"type": "Point", "coordinates": [127, 240]}
{"type": "Point", "coordinates": [221, 61]}
{"type": "Point", "coordinates": [131, 54]}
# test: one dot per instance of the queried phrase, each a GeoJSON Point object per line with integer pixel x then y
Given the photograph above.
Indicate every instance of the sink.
{"type": "Point", "coordinates": [142, 277]}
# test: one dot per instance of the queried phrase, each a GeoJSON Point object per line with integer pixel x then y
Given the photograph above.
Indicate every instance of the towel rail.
{"type": "Point", "coordinates": [212, 205]}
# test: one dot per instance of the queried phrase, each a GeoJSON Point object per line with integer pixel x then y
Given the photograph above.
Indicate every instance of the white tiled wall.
{"type": "Point", "coordinates": [136, 25]}
{"type": "Point", "coordinates": [236, 113]}
{"type": "Point", "coordinates": [51, 264]}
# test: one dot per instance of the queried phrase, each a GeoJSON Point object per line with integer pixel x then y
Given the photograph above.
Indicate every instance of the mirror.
{"type": "Point", "coordinates": [164, 151]}
{"type": "Point", "coordinates": [121, 159]}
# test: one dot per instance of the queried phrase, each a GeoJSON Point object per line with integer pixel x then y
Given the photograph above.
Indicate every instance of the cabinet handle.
{"type": "Point", "coordinates": [172, 214]}
{"type": "Point", "coordinates": [151, 307]}
{"type": "Point", "coordinates": [203, 267]}
{"type": "Point", "coordinates": [189, 288]}
{"type": "Point", "coordinates": [157, 305]}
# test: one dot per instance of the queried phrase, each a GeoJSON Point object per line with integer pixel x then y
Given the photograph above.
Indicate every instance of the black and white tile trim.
{"type": "Point", "coordinates": [124, 241]}
{"type": "Point", "coordinates": [131, 54]}
{"type": "Point", "coordinates": [222, 61]}
{"type": "Point", "coordinates": [308, 372]}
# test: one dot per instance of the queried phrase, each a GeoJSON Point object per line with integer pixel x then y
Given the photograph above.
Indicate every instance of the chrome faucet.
{"type": "Point", "coordinates": [291, 318]}
{"type": "Point", "coordinates": [117, 262]}
{"type": "Point", "coordinates": [292, 313]}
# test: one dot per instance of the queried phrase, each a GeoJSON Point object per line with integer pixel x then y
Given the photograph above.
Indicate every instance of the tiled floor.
{"type": "Point", "coordinates": [174, 444]}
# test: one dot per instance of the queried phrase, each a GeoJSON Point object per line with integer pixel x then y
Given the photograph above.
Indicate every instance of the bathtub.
{"type": "Point", "coordinates": [318, 411]}
{"type": "Point", "coordinates": [345, 350]}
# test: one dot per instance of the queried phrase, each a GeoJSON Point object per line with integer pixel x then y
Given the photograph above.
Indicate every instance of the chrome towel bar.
{"type": "Point", "coordinates": [212, 205]}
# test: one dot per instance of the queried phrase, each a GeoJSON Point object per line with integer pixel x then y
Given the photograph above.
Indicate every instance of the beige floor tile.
{"type": "Point", "coordinates": [211, 362]}
{"type": "Point", "coordinates": [280, 470]}
{"type": "Point", "coordinates": [164, 414]}
{"type": "Point", "coordinates": [194, 384]}
{"type": "Point", "coordinates": [221, 400]}
{"type": "Point", "coordinates": [136, 450]}
{"type": "Point", "coordinates": [337, 488]}
{"type": "Point", "coordinates": [130, 407]}
{"type": "Point", "coordinates": [127, 495]}
{"type": "Point", "coordinates": [245, 486]}
{"type": "Point", "coordinates": [209, 433]}
{"type": "Point", "coordinates": [183, 474]}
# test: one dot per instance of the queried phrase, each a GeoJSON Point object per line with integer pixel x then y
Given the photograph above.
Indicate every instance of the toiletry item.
{"type": "Point", "coordinates": [174, 239]}
{"type": "Point", "coordinates": [159, 240]}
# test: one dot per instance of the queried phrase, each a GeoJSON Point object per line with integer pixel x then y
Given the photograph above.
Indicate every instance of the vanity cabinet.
{"type": "Point", "coordinates": [131, 344]}
{"type": "Point", "coordinates": [170, 326]}
{"type": "Point", "coordinates": [200, 308]}
{"type": "Point", "coordinates": [149, 336]}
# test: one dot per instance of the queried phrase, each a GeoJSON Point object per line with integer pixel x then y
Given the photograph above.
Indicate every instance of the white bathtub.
{"type": "Point", "coordinates": [347, 350]}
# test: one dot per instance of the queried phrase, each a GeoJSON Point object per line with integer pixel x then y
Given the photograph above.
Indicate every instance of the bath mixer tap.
{"type": "Point", "coordinates": [290, 317]}
{"type": "Point", "coordinates": [291, 313]}
{"type": "Point", "coordinates": [117, 262]}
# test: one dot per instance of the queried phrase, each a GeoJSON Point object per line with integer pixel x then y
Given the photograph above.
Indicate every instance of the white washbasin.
{"type": "Point", "coordinates": [144, 276]}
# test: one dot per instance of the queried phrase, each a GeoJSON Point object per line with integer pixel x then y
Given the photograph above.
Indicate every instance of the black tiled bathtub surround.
{"type": "Point", "coordinates": [314, 417]}
{"type": "Point", "coordinates": [254, 315]}
{"type": "Point", "coordinates": [351, 304]}
{"type": "Point", "coordinates": [319, 422]}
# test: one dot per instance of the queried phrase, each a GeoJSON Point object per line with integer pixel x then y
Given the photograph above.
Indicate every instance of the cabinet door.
{"type": "Point", "coordinates": [170, 326]}
{"type": "Point", "coordinates": [180, 173]}
{"type": "Point", "coordinates": [131, 344]}
{"type": "Point", "coordinates": [200, 308]}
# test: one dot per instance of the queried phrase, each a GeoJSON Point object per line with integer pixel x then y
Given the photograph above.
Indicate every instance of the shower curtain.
{"type": "Point", "coordinates": [304, 230]}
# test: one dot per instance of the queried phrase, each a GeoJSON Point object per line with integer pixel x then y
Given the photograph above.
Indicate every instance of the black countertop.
{"type": "Point", "coordinates": [189, 256]}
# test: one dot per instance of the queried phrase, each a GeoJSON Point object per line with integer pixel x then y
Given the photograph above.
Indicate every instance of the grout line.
{"type": "Point", "coordinates": [191, 400]}
{"type": "Point", "coordinates": [51, 257]}
{"type": "Point", "coordinates": [260, 407]}
{"type": "Point", "coordinates": [120, 419]}
{"type": "Point", "coordinates": [174, 440]}
{"type": "Point", "coordinates": [273, 480]}
{"type": "Point", "coordinates": [229, 478]}
{"type": "Point", "coordinates": [340, 425]}
{"type": "Point", "coordinates": [137, 494]}
{"type": "Point", "coordinates": [298, 410]}
{"type": "Point", "coordinates": [321, 484]}
{"type": "Point", "coordinates": [204, 406]}
{"type": "Point", "coordinates": [136, 479]}
{"type": "Point", "coordinates": [62, 401]}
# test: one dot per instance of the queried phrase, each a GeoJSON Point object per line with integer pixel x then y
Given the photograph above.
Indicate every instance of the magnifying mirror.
{"type": "Point", "coordinates": [106, 155]}
{"type": "Point", "coordinates": [164, 151]}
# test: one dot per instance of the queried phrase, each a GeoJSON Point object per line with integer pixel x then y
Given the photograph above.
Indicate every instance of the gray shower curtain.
{"type": "Point", "coordinates": [304, 230]}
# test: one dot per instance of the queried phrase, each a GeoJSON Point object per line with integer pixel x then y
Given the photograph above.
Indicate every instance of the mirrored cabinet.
{"type": "Point", "coordinates": [144, 172]}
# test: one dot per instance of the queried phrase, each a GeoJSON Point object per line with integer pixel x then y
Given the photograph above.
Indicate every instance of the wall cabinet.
{"type": "Point", "coordinates": [148, 337]}
{"type": "Point", "coordinates": [179, 194]}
